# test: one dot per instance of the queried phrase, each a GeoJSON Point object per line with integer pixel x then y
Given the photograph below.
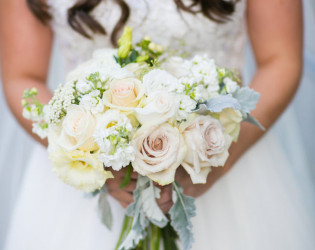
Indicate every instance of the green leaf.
{"type": "Point", "coordinates": [126, 180]}
{"type": "Point", "coordinates": [181, 213]}
{"type": "Point", "coordinates": [133, 56]}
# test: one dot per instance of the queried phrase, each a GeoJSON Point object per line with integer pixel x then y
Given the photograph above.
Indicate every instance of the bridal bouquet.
{"type": "Point", "coordinates": [142, 109]}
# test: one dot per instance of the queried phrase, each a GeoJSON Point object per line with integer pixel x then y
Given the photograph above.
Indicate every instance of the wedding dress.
{"type": "Point", "coordinates": [258, 205]}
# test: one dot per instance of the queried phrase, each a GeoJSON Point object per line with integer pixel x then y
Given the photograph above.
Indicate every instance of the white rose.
{"type": "Point", "coordinates": [76, 130]}
{"type": "Point", "coordinates": [177, 66]}
{"type": "Point", "coordinates": [79, 169]}
{"type": "Point", "coordinates": [136, 68]}
{"type": "Point", "coordinates": [159, 151]}
{"type": "Point", "coordinates": [231, 121]}
{"type": "Point", "coordinates": [207, 146]}
{"type": "Point", "coordinates": [82, 70]}
{"type": "Point", "coordinates": [105, 56]}
{"type": "Point", "coordinates": [159, 80]}
{"type": "Point", "coordinates": [124, 94]}
{"type": "Point", "coordinates": [158, 108]}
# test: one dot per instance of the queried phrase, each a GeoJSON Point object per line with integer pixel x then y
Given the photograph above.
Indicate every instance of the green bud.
{"type": "Point", "coordinates": [34, 91]}
{"type": "Point", "coordinates": [125, 43]}
{"type": "Point", "coordinates": [159, 48]}
{"type": "Point", "coordinates": [152, 47]}
{"type": "Point", "coordinates": [147, 38]}
{"type": "Point", "coordinates": [24, 102]}
{"type": "Point", "coordinates": [142, 58]}
{"type": "Point", "coordinates": [123, 140]}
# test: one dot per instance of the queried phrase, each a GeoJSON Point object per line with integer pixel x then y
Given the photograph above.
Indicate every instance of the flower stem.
{"type": "Point", "coordinates": [125, 228]}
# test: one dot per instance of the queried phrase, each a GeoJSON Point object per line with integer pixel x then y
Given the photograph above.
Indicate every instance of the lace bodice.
{"type": "Point", "coordinates": [159, 19]}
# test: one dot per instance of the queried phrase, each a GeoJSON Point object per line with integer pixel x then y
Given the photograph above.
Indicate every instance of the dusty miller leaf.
{"type": "Point", "coordinates": [253, 121]}
{"type": "Point", "coordinates": [150, 207]}
{"type": "Point", "coordinates": [105, 209]}
{"type": "Point", "coordinates": [143, 209]}
{"type": "Point", "coordinates": [217, 104]}
{"type": "Point", "coordinates": [181, 213]}
{"type": "Point", "coordinates": [247, 98]}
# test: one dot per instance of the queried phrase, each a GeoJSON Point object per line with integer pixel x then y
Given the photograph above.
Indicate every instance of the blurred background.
{"type": "Point", "coordinates": [16, 145]}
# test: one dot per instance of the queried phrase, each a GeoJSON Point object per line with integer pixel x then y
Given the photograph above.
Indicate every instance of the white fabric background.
{"type": "Point", "coordinates": [15, 145]}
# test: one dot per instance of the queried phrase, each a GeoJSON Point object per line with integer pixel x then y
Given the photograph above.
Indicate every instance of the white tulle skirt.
{"type": "Point", "coordinates": [259, 205]}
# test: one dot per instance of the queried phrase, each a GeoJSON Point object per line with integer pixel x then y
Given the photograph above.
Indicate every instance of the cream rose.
{"type": "Point", "coordinates": [159, 80]}
{"type": "Point", "coordinates": [76, 130]}
{"type": "Point", "coordinates": [124, 94]}
{"type": "Point", "coordinates": [158, 108]}
{"type": "Point", "coordinates": [231, 121]}
{"type": "Point", "coordinates": [207, 145]}
{"type": "Point", "coordinates": [177, 66]}
{"type": "Point", "coordinates": [79, 169]}
{"type": "Point", "coordinates": [159, 152]}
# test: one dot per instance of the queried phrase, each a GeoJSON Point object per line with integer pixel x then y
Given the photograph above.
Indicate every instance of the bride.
{"type": "Point", "coordinates": [256, 205]}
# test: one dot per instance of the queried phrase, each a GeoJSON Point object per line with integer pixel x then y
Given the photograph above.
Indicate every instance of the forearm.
{"type": "Point", "coordinates": [14, 89]}
{"type": "Point", "coordinates": [277, 82]}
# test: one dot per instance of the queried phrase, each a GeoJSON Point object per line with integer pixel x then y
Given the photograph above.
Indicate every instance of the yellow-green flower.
{"type": "Point", "coordinates": [125, 43]}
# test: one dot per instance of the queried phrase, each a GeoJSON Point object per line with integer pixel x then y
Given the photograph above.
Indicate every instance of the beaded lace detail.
{"type": "Point", "coordinates": [159, 19]}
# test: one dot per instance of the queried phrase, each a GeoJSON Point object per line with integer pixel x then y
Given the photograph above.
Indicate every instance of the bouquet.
{"type": "Point", "coordinates": [141, 108]}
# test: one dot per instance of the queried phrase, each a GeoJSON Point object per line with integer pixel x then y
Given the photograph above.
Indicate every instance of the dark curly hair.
{"type": "Point", "coordinates": [216, 10]}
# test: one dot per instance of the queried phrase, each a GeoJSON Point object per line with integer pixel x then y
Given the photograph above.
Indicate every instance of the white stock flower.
{"type": "Point", "coordinates": [79, 169]}
{"type": "Point", "coordinates": [158, 107]}
{"type": "Point", "coordinates": [230, 85]}
{"type": "Point", "coordinates": [159, 80]}
{"type": "Point", "coordinates": [39, 130]}
{"type": "Point", "coordinates": [204, 70]}
{"type": "Point", "coordinates": [93, 102]}
{"type": "Point", "coordinates": [159, 152]}
{"type": "Point", "coordinates": [76, 130]}
{"type": "Point", "coordinates": [83, 86]}
{"type": "Point", "coordinates": [121, 158]}
{"type": "Point", "coordinates": [186, 106]}
{"type": "Point", "coordinates": [32, 113]}
{"type": "Point", "coordinates": [200, 93]}
{"type": "Point", "coordinates": [207, 146]}
{"type": "Point", "coordinates": [112, 137]}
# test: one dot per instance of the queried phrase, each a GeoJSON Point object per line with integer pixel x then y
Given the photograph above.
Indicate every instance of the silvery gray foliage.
{"type": "Point", "coordinates": [217, 104]}
{"type": "Point", "coordinates": [181, 213]}
{"type": "Point", "coordinates": [253, 121]}
{"type": "Point", "coordinates": [105, 209]}
{"type": "Point", "coordinates": [143, 209]}
{"type": "Point", "coordinates": [137, 232]}
{"type": "Point", "coordinates": [247, 98]}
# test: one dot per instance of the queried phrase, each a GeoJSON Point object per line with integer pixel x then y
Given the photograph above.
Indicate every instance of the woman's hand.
{"type": "Point", "coordinates": [196, 190]}
{"type": "Point", "coordinates": [125, 195]}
